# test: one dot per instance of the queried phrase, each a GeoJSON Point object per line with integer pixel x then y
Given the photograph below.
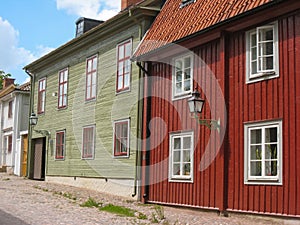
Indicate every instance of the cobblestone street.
{"type": "Point", "coordinates": [43, 203]}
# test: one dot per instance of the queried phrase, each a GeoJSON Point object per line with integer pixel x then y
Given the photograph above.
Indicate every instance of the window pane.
{"type": "Point", "coordinates": [254, 67]}
{"type": "Point", "coordinates": [256, 153]}
{"type": "Point", "coordinates": [128, 50]}
{"type": "Point", "coordinates": [178, 87]}
{"type": "Point", "coordinates": [271, 151]}
{"type": "Point", "coordinates": [126, 81]}
{"type": "Point", "coordinates": [186, 156]}
{"type": "Point", "coordinates": [267, 48]}
{"type": "Point", "coordinates": [187, 142]}
{"type": "Point", "coordinates": [127, 66]}
{"type": "Point", "coordinates": [178, 76]}
{"type": "Point", "coordinates": [266, 34]}
{"type": "Point", "coordinates": [186, 169]}
{"type": "Point", "coordinates": [94, 64]}
{"type": "Point", "coordinates": [256, 136]}
{"type": "Point", "coordinates": [187, 62]}
{"type": "Point", "coordinates": [121, 51]}
{"type": "Point", "coordinates": [177, 143]}
{"type": "Point", "coordinates": [253, 39]}
{"type": "Point", "coordinates": [176, 169]}
{"type": "Point", "coordinates": [266, 63]}
{"type": "Point", "coordinates": [178, 65]}
{"type": "Point", "coordinates": [187, 74]}
{"type": "Point", "coordinates": [253, 53]}
{"type": "Point", "coordinates": [120, 82]}
{"type": "Point", "coordinates": [120, 68]}
{"type": "Point", "coordinates": [176, 156]}
{"type": "Point", "coordinates": [187, 85]}
{"type": "Point", "coordinates": [271, 134]}
{"type": "Point", "coordinates": [255, 168]}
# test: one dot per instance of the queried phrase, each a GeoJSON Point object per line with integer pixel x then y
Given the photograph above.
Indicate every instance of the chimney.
{"type": "Point", "coordinates": [7, 82]}
{"type": "Point", "coordinates": [127, 3]}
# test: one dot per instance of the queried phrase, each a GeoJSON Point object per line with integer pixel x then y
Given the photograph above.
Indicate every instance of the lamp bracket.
{"type": "Point", "coordinates": [209, 123]}
{"type": "Point", "coordinates": [43, 132]}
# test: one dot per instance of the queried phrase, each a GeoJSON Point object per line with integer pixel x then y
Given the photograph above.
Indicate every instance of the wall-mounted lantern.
{"type": "Point", "coordinates": [33, 119]}
{"type": "Point", "coordinates": [196, 104]}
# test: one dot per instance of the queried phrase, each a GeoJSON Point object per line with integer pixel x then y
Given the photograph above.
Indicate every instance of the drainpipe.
{"type": "Point", "coordinates": [31, 104]}
{"type": "Point", "coordinates": [147, 146]}
{"type": "Point", "coordinates": [138, 143]}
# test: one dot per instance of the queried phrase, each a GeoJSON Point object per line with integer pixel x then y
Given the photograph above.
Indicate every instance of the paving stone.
{"type": "Point", "coordinates": [44, 203]}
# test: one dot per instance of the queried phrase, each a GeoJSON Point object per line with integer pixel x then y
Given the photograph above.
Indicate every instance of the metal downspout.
{"type": "Point", "coordinates": [29, 157]}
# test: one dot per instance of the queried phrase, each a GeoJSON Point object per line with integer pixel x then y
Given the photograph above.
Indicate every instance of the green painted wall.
{"type": "Point", "coordinates": [108, 107]}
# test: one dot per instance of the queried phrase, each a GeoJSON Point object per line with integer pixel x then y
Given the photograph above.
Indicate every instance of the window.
{"type": "Point", "coordinates": [10, 110]}
{"type": "Point", "coordinates": [123, 65]}
{"type": "Point", "coordinates": [121, 138]}
{"type": "Point", "coordinates": [9, 146]}
{"type": "Point", "coordinates": [183, 76]}
{"type": "Point", "coordinates": [62, 88]}
{"type": "Point", "coordinates": [88, 140]}
{"type": "Point", "coordinates": [79, 28]}
{"type": "Point", "coordinates": [186, 2]}
{"type": "Point", "coordinates": [60, 145]}
{"type": "Point", "coordinates": [41, 95]}
{"type": "Point", "coordinates": [262, 53]}
{"type": "Point", "coordinates": [181, 157]}
{"type": "Point", "coordinates": [263, 153]}
{"type": "Point", "coordinates": [91, 78]}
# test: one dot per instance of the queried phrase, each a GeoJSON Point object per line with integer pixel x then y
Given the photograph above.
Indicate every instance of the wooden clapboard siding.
{"type": "Point", "coordinates": [221, 185]}
{"type": "Point", "coordinates": [101, 113]}
{"type": "Point", "coordinates": [272, 99]}
{"type": "Point", "coordinates": [204, 191]}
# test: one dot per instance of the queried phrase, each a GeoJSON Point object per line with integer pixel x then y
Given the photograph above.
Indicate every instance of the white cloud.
{"type": "Point", "coordinates": [11, 55]}
{"type": "Point", "coordinates": [94, 9]}
{"type": "Point", "coordinates": [14, 57]}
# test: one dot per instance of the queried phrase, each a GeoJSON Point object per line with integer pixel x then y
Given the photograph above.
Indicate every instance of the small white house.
{"type": "Point", "coordinates": [14, 111]}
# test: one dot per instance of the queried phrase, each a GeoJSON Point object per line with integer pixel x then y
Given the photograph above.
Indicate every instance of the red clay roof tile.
{"type": "Point", "coordinates": [174, 23]}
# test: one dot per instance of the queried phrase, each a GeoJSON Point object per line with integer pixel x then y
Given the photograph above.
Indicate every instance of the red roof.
{"type": "Point", "coordinates": [174, 23]}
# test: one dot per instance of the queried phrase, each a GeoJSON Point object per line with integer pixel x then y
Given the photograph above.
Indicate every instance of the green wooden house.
{"type": "Point", "coordinates": [86, 96]}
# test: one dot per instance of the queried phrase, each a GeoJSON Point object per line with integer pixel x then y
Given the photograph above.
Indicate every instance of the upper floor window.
{"type": "Point", "coordinates": [182, 76]}
{"type": "Point", "coordinates": [79, 28]}
{"type": "Point", "coordinates": [263, 153]}
{"type": "Point", "coordinates": [91, 78]}
{"type": "Point", "coordinates": [121, 138]}
{"type": "Point", "coordinates": [10, 109]}
{"type": "Point", "coordinates": [88, 142]}
{"type": "Point", "coordinates": [123, 65]}
{"type": "Point", "coordinates": [262, 53]}
{"type": "Point", "coordinates": [181, 157]}
{"type": "Point", "coordinates": [63, 88]}
{"type": "Point", "coordinates": [41, 95]}
{"type": "Point", "coordinates": [60, 145]}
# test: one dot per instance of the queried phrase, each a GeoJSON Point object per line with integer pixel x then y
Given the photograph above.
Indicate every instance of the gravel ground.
{"type": "Point", "coordinates": [44, 203]}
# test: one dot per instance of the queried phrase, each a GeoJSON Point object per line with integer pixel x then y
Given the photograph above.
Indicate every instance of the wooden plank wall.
{"type": "Point", "coordinates": [266, 100]}
{"type": "Point", "coordinates": [206, 189]}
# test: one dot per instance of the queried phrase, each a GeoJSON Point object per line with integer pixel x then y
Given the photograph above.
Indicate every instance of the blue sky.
{"type": "Point", "coordinates": [31, 28]}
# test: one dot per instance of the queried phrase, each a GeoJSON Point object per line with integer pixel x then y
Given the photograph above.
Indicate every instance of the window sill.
{"type": "Point", "coordinates": [181, 96]}
{"type": "Point", "coordinates": [181, 179]}
{"type": "Point", "coordinates": [262, 77]}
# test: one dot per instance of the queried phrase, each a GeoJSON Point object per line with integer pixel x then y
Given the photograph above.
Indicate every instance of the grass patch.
{"type": "Point", "coordinates": [119, 210]}
{"type": "Point", "coordinates": [90, 203]}
{"type": "Point", "coordinates": [142, 216]}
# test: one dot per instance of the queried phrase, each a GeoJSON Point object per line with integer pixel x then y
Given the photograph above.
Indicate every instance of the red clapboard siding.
{"type": "Point", "coordinates": [204, 190]}
{"type": "Point", "coordinates": [266, 100]}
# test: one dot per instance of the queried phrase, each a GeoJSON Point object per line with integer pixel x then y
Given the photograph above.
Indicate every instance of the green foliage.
{"type": "Point", "coordinates": [90, 203]}
{"type": "Point", "coordinates": [3, 75]}
{"type": "Point", "coordinates": [119, 210]}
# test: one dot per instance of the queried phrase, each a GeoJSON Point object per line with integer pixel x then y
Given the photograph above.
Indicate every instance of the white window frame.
{"type": "Point", "coordinates": [182, 94]}
{"type": "Point", "coordinates": [128, 138]}
{"type": "Point", "coordinates": [263, 179]}
{"type": "Point", "coordinates": [90, 85]}
{"type": "Point", "coordinates": [181, 177]}
{"type": "Point", "coordinates": [123, 88]}
{"type": "Point", "coordinates": [261, 73]}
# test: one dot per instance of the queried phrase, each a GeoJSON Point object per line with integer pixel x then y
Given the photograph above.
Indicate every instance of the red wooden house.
{"type": "Point", "coordinates": [244, 58]}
